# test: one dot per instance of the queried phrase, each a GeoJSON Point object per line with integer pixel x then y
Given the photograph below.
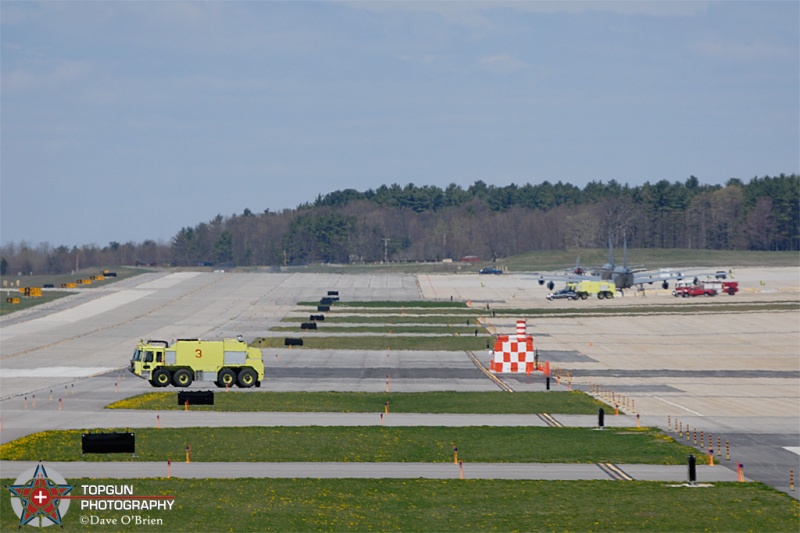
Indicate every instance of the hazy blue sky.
{"type": "Point", "coordinates": [126, 121]}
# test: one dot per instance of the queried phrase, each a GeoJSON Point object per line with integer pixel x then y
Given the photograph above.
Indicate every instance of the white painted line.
{"type": "Point", "coordinates": [80, 312]}
{"type": "Point", "coordinates": [54, 372]}
{"type": "Point", "coordinates": [678, 406]}
{"type": "Point", "coordinates": [793, 449]}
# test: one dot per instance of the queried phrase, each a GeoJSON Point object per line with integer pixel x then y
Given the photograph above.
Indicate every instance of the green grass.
{"type": "Point", "coordinates": [560, 402]}
{"type": "Point", "coordinates": [26, 302]}
{"type": "Point", "coordinates": [387, 329]}
{"type": "Point", "coordinates": [368, 444]}
{"type": "Point", "coordinates": [651, 258]}
{"type": "Point", "coordinates": [316, 342]}
{"type": "Point", "coordinates": [393, 319]}
{"type": "Point", "coordinates": [394, 306]}
{"type": "Point", "coordinates": [440, 505]}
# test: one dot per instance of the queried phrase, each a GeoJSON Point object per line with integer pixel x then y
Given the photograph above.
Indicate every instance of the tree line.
{"type": "Point", "coordinates": [427, 223]}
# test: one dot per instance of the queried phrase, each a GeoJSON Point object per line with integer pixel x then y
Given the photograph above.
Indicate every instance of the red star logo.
{"type": "Point", "coordinates": [40, 497]}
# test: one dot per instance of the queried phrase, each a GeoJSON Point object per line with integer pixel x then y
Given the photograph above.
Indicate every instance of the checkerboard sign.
{"type": "Point", "coordinates": [513, 353]}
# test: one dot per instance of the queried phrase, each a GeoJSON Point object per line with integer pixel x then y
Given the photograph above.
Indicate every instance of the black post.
{"type": "Point", "coordinates": [692, 469]}
{"type": "Point", "coordinates": [601, 413]}
{"type": "Point", "coordinates": [547, 382]}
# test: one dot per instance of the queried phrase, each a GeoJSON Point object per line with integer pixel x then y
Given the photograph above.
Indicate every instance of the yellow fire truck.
{"type": "Point", "coordinates": [228, 362]}
{"type": "Point", "coordinates": [603, 289]}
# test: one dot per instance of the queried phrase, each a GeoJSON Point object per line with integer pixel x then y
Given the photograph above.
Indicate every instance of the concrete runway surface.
{"type": "Point", "coordinates": [733, 374]}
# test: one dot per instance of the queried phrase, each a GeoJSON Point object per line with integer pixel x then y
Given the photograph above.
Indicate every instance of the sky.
{"type": "Point", "coordinates": [127, 121]}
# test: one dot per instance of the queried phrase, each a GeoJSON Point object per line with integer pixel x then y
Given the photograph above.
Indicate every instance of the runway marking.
{"type": "Point", "coordinates": [793, 449]}
{"type": "Point", "coordinates": [104, 328]}
{"type": "Point", "coordinates": [614, 472]}
{"type": "Point", "coordinates": [500, 383]}
{"type": "Point", "coordinates": [678, 405]}
{"type": "Point", "coordinates": [550, 421]}
{"type": "Point", "coordinates": [54, 372]}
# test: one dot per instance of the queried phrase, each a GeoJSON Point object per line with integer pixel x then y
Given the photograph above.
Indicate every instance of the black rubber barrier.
{"type": "Point", "coordinates": [601, 415]}
{"type": "Point", "coordinates": [333, 293]}
{"type": "Point", "coordinates": [317, 318]}
{"type": "Point", "coordinates": [692, 469]}
{"type": "Point", "coordinates": [308, 325]}
{"type": "Point", "coordinates": [196, 397]}
{"type": "Point", "coordinates": [108, 443]}
{"type": "Point", "coordinates": [288, 341]}
{"type": "Point", "coordinates": [323, 308]}
{"type": "Point", "coordinates": [325, 301]}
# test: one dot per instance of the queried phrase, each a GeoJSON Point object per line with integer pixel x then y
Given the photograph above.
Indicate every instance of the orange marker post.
{"type": "Point", "coordinates": [60, 405]}
{"type": "Point", "coordinates": [158, 421]}
{"type": "Point", "coordinates": [711, 457]}
{"type": "Point", "coordinates": [188, 454]}
{"type": "Point", "coordinates": [186, 405]}
{"type": "Point", "coordinates": [455, 455]}
{"type": "Point", "coordinates": [740, 472]}
{"type": "Point", "coordinates": [169, 469]}
{"type": "Point", "coordinates": [791, 480]}
{"type": "Point", "coordinates": [461, 470]}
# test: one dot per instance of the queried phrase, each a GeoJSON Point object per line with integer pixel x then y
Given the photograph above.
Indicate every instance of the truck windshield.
{"type": "Point", "coordinates": [137, 355]}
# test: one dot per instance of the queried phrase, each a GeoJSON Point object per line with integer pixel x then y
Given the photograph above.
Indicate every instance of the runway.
{"type": "Point", "coordinates": [734, 375]}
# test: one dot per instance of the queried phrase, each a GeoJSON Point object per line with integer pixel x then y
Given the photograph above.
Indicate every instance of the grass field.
{"type": "Point", "coordinates": [721, 304]}
{"type": "Point", "coordinates": [439, 505]}
{"type": "Point", "coordinates": [561, 402]}
{"type": "Point", "coordinates": [397, 342]}
{"type": "Point", "coordinates": [368, 444]}
{"type": "Point", "coordinates": [388, 329]}
{"type": "Point", "coordinates": [552, 260]}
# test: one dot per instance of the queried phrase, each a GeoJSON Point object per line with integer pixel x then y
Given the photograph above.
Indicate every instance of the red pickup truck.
{"type": "Point", "coordinates": [694, 290]}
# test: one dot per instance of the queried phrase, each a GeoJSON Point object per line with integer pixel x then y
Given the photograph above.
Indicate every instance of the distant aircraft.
{"type": "Point", "coordinates": [623, 276]}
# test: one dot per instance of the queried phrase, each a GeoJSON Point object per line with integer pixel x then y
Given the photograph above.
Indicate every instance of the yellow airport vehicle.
{"type": "Point", "coordinates": [603, 289]}
{"type": "Point", "coordinates": [228, 362]}
{"type": "Point", "coordinates": [33, 292]}
{"type": "Point", "coordinates": [12, 300]}
{"type": "Point", "coordinates": [69, 285]}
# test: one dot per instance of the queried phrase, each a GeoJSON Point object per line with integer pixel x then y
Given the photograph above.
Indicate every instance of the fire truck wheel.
{"type": "Point", "coordinates": [226, 378]}
{"type": "Point", "coordinates": [247, 378]}
{"type": "Point", "coordinates": [182, 378]}
{"type": "Point", "coordinates": [161, 377]}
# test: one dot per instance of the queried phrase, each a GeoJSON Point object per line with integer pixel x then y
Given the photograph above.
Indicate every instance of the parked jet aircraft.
{"type": "Point", "coordinates": [623, 276]}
